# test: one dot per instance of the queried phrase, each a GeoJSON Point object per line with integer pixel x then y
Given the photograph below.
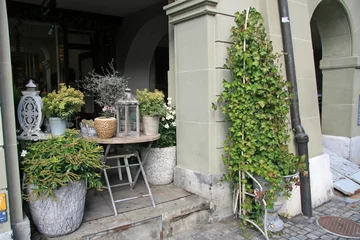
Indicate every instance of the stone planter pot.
{"type": "Point", "coordinates": [150, 125]}
{"type": "Point", "coordinates": [159, 165]}
{"type": "Point", "coordinates": [60, 217]}
{"type": "Point", "coordinates": [274, 223]}
{"type": "Point", "coordinates": [57, 126]}
{"type": "Point", "coordinates": [105, 127]}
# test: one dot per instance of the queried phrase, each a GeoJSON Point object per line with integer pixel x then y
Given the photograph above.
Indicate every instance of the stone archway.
{"type": "Point", "coordinates": [332, 44]}
{"type": "Point", "coordinates": [337, 71]}
{"type": "Point", "coordinates": [141, 52]}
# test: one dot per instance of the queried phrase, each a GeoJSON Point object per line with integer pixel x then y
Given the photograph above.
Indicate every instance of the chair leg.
{"type": "Point", "coordinates": [119, 169]}
{"type": "Point", "coordinates": [126, 161]}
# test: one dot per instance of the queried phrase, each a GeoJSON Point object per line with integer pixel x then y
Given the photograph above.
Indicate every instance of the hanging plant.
{"type": "Point", "coordinates": [256, 102]}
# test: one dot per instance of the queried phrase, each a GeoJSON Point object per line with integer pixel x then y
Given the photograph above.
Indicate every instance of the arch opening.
{"type": "Point", "coordinates": [331, 40]}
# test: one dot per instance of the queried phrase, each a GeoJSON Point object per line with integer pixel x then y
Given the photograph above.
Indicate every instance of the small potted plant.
{"type": "Point", "coordinates": [161, 157]}
{"type": "Point", "coordinates": [58, 171]}
{"type": "Point", "coordinates": [87, 127]}
{"type": "Point", "coordinates": [152, 107]}
{"type": "Point", "coordinates": [106, 88]}
{"type": "Point", "coordinates": [60, 106]}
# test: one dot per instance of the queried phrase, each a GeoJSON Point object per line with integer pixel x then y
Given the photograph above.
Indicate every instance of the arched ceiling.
{"type": "Point", "coordinates": [109, 7]}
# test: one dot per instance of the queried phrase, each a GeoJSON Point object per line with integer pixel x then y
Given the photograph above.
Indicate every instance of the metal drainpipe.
{"type": "Point", "coordinates": [301, 138]}
{"type": "Point", "coordinates": [8, 120]}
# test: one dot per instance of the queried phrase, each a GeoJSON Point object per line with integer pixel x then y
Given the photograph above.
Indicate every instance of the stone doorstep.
{"type": "Point", "coordinates": [179, 215]}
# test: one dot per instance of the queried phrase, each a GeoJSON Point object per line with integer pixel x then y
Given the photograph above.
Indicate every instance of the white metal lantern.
{"type": "Point", "coordinates": [127, 115]}
{"type": "Point", "coordinates": [30, 112]}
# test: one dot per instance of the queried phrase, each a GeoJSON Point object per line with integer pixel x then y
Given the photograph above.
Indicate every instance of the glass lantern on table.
{"type": "Point", "coordinates": [127, 115]}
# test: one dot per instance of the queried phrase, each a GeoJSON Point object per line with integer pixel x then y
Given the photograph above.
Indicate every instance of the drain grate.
{"type": "Point", "coordinates": [339, 226]}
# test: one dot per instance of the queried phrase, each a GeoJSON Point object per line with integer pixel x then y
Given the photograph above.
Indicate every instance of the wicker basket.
{"type": "Point", "coordinates": [105, 126]}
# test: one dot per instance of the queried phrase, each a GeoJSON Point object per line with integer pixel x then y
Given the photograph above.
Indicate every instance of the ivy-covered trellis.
{"type": "Point", "coordinates": [257, 101]}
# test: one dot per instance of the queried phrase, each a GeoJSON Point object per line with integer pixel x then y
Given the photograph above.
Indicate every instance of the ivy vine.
{"type": "Point", "coordinates": [257, 102]}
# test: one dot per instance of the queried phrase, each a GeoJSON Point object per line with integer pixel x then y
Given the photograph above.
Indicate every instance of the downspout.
{"type": "Point", "coordinates": [301, 138]}
{"type": "Point", "coordinates": [8, 120]}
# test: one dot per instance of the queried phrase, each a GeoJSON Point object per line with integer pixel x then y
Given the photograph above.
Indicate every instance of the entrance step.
{"type": "Point", "coordinates": [147, 223]}
{"type": "Point", "coordinates": [346, 174]}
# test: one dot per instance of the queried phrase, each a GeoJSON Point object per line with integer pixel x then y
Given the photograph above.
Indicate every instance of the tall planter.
{"type": "Point", "coordinates": [274, 223]}
{"type": "Point", "coordinates": [57, 125]}
{"type": "Point", "coordinates": [62, 216]}
{"type": "Point", "coordinates": [160, 164]}
{"type": "Point", "coordinates": [105, 127]}
{"type": "Point", "coordinates": [150, 125]}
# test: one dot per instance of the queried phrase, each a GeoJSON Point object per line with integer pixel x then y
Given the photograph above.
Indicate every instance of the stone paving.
{"type": "Point", "coordinates": [297, 228]}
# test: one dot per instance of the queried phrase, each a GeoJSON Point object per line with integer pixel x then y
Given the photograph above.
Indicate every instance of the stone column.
{"type": "Point", "coordinates": [201, 33]}
{"type": "Point", "coordinates": [11, 163]}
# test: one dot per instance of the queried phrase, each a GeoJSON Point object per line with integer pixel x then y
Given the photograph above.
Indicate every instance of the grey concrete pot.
{"type": "Point", "coordinates": [160, 164]}
{"type": "Point", "coordinates": [60, 217]}
{"type": "Point", "coordinates": [150, 125]}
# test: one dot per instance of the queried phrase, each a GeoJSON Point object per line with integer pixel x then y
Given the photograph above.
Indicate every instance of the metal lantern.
{"type": "Point", "coordinates": [127, 115]}
{"type": "Point", "coordinates": [30, 112]}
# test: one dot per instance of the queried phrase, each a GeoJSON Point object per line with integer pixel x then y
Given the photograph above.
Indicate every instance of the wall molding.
{"type": "Point", "coordinates": [183, 10]}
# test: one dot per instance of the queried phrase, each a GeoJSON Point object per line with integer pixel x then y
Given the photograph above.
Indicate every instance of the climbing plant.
{"type": "Point", "coordinates": [256, 101]}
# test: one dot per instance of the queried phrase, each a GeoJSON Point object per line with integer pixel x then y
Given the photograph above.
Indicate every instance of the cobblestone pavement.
{"type": "Point", "coordinates": [297, 228]}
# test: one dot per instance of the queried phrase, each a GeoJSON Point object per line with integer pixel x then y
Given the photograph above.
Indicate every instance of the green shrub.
{"type": "Point", "coordinates": [64, 103]}
{"type": "Point", "coordinates": [151, 103]}
{"type": "Point", "coordinates": [57, 161]}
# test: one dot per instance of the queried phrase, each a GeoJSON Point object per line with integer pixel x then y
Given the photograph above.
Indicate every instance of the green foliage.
{"type": "Point", "coordinates": [57, 161]}
{"type": "Point", "coordinates": [257, 104]}
{"type": "Point", "coordinates": [167, 128]}
{"type": "Point", "coordinates": [63, 104]}
{"type": "Point", "coordinates": [107, 88]}
{"type": "Point", "coordinates": [151, 103]}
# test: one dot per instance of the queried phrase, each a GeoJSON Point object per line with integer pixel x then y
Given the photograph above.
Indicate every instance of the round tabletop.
{"type": "Point", "coordinates": [125, 140]}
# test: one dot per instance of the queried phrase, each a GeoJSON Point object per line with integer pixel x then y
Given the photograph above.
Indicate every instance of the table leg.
{"type": "Point", "coordinates": [143, 160]}
{"type": "Point", "coordinates": [145, 179]}
{"type": "Point", "coordinates": [107, 150]}
{"type": "Point", "coordinates": [110, 192]}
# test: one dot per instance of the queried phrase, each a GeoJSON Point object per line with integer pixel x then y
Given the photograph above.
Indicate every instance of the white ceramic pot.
{"type": "Point", "coordinates": [150, 125]}
{"type": "Point", "coordinates": [159, 165]}
{"type": "Point", "coordinates": [57, 125]}
{"type": "Point", "coordinates": [60, 217]}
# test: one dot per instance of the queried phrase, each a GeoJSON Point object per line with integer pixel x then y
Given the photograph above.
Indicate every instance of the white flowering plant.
{"type": "Point", "coordinates": [167, 127]}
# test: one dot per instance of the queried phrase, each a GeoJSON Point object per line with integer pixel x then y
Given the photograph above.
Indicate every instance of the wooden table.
{"type": "Point", "coordinates": [130, 140]}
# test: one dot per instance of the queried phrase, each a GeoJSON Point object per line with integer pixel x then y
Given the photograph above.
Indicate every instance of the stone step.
{"type": "Point", "coordinates": [147, 223]}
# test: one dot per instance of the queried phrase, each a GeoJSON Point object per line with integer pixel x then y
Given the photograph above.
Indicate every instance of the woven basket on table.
{"type": "Point", "coordinates": [105, 126]}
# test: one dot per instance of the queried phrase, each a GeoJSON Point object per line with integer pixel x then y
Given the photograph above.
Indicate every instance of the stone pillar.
{"type": "Point", "coordinates": [201, 36]}
{"type": "Point", "coordinates": [201, 33]}
{"type": "Point", "coordinates": [8, 153]}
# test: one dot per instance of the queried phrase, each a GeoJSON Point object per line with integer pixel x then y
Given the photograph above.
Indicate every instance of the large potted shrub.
{"type": "Point", "coordinates": [256, 101]}
{"type": "Point", "coordinates": [60, 106]}
{"type": "Point", "coordinates": [152, 107]}
{"type": "Point", "coordinates": [57, 173]}
{"type": "Point", "coordinates": [106, 88]}
{"type": "Point", "coordinates": [161, 157]}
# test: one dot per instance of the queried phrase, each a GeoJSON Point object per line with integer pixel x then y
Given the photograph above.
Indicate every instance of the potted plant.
{"type": "Point", "coordinates": [87, 127]}
{"type": "Point", "coordinates": [61, 105]}
{"type": "Point", "coordinates": [161, 157]}
{"type": "Point", "coordinates": [257, 102]}
{"type": "Point", "coordinates": [107, 88]}
{"type": "Point", "coordinates": [152, 106]}
{"type": "Point", "coordinates": [57, 173]}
